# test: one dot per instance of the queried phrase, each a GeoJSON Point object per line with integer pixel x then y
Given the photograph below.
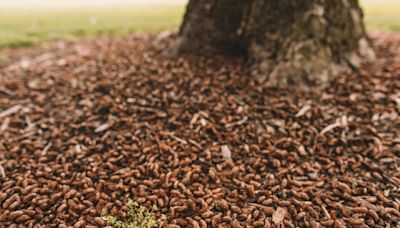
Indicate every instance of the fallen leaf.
{"type": "Point", "coordinates": [226, 153]}
{"type": "Point", "coordinates": [279, 215]}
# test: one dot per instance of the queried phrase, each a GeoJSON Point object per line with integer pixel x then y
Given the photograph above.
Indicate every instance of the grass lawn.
{"type": "Point", "coordinates": [384, 16]}
{"type": "Point", "coordinates": [21, 27]}
{"type": "Point", "coordinates": [26, 27]}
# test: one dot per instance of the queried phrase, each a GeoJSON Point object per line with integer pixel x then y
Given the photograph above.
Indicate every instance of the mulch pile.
{"type": "Point", "coordinates": [85, 126]}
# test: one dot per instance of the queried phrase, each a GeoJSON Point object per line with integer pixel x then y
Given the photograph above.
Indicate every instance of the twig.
{"type": "Point", "coordinates": [326, 212]}
{"type": "Point", "coordinates": [237, 123]}
{"type": "Point", "coordinates": [196, 144]}
{"type": "Point", "coordinates": [329, 128]}
{"type": "Point", "coordinates": [6, 91]}
{"type": "Point", "coordinates": [46, 148]}
{"type": "Point", "coordinates": [5, 124]}
{"type": "Point", "coordinates": [258, 205]}
{"type": "Point", "coordinates": [179, 139]}
{"type": "Point", "coordinates": [10, 111]}
{"type": "Point", "coordinates": [159, 113]}
{"type": "Point", "coordinates": [26, 135]}
{"type": "Point", "coordinates": [342, 123]}
{"type": "Point", "coordinates": [175, 137]}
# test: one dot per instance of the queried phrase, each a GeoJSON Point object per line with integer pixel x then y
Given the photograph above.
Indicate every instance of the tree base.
{"type": "Point", "coordinates": [287, 42]}
{"type": "Point", "coordinates": [309, 71]}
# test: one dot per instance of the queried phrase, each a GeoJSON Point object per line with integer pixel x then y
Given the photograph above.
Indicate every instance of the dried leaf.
{"type": "Point", "coordinates": [279, 215]}
{"type": "Point", "coordinates": [226, 153]}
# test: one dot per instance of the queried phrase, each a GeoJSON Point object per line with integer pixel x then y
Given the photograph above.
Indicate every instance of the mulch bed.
{"type": "Point", "coordinates": [85, 126]}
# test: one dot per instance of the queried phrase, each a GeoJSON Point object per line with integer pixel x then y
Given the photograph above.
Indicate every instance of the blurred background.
{"type": "Point", "coordinates": [30, 22]}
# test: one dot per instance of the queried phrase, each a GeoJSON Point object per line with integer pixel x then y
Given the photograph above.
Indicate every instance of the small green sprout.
{"type": "Point", "coordinates": [138, 217]}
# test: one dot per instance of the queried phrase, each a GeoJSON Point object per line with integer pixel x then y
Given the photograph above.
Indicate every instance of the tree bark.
{"type": "Point", "coordinates": [287, 42]}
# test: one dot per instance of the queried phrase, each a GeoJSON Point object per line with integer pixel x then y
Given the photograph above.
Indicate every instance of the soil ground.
{"type": "Point", "coordinates": [85, 126]}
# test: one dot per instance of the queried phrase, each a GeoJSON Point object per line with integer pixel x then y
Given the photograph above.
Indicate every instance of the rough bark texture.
{"type": "Point", "coordinates": [288, 42]}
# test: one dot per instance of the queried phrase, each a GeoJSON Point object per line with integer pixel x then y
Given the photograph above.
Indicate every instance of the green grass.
{"type": "Point", "coordinates": [383, 16]}
{"type": "Point", "coordinates": [22, 27]}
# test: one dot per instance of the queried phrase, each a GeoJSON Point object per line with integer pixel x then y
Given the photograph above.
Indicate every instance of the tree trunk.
{"type": "Point", "coordinates": [287, 42]}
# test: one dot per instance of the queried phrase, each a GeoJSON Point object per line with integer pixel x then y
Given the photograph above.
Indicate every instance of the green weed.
{"type": "Point", "coordinates": [138, 217]}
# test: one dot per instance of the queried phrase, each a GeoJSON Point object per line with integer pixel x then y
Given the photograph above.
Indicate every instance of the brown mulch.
{"type": "Point", "coordinates": [84, 126]}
